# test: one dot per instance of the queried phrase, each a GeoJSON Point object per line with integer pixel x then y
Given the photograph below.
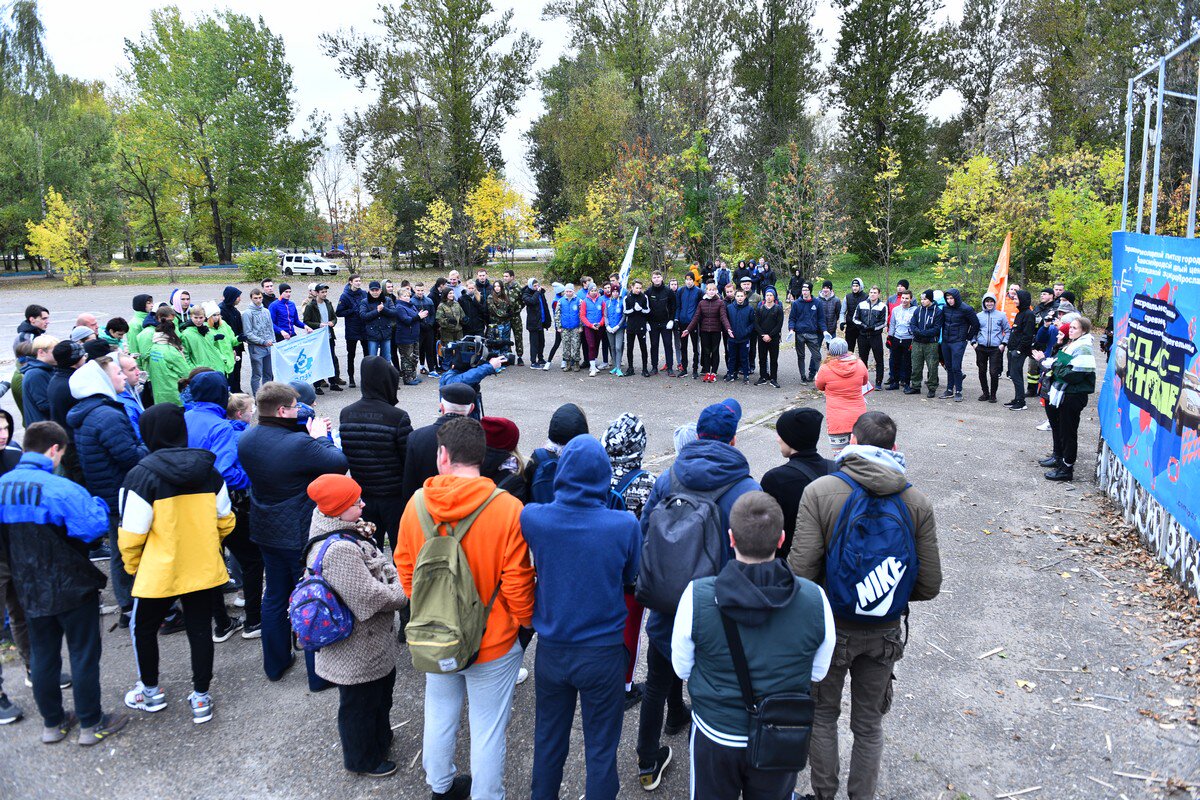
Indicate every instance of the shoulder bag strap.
{"type": "Point", "coordinates": [326, 540]}
{"type": "Point", "coordinates": [803, 469]}
{"type": "Point", "coordinates": [734, 639]}
{"type": "Point", "coordinates": [429, 527]}
{"type": "Point", "coordinates": [627, 481]}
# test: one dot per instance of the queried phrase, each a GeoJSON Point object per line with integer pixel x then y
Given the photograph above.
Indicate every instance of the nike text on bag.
{"type": "Point", "coordinates": [780, 724]}
{"type": "Point", "coordinates": [616, 495]}
{"type": "Point", "coordinates": [541, 489]}
{"type": "Point", "coordinates": [684, 541]}
{"type": "Point", "coordinates": [316, 612]}
{"type": "Point", "coordinates": [871, 566]}
{"type": "Point", "coordinates": [448, 616]}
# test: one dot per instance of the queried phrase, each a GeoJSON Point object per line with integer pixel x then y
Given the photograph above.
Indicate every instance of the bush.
{"type": "Point", "coordinates": [257, 267]}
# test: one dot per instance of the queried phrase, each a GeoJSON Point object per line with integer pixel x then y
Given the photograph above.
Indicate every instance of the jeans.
{"type": "Point", "coordinates": [488, 688]}
{"type": "Point", "coordinates": [249, 558]}
{"type": "Point", "coordinates": [868, 657]}
{"type": "Point", "coordinates": [383, 348]}
{"type": "Point", "coordinates": [663, 688]}
{"type": "Point", "coordinates": [427, 349]}
{"type": "Point", "coordinates": [148, 614]}
{"type": "Point", "coordinates": [952, 354]}
{"type": "Point", "coordinates": [616, 345]}
{"type": "Point", "coordinates": [659, 332]}
{"type": "Point", "coordinates": [364, 722]}
{"type": "Point", "coordinates": [925, 354]}
{"type": "Point", "coordinates": [351, 352]}
{"type": "Point", "coordinates": [260, 367]}
{"type": "Point", "coordinates": [900, 361]}
{"type": "Point", "coordinates": [872, 342]}
{"type": "Point", "coordinates": [724, 773]}
{"type": "Point", "coordinates": [1064, 423]}
{"type": "Point", "coordinates": [282, 569]}
{"type": "Point", "coordinates": [681, 347]}
{"type": "Point", "coordinates": [596, 676]}
{"type": "Point", "coordinates": [385, 513]}
{"type": "Point", "coordinates": [122, 581]}
{"type": "Point", "coordinates": [1016, 373]}
{"type": "Point", "coordinates": [810, 342]}
{"type": "Point", "coordinates": [81, 627]}
{"type": "Point", "coordinates": [741, 358]}
{"type": "Point", "coordinates": [989, 362]}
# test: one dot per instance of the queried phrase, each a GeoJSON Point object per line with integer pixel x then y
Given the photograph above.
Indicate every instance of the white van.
{"type": "Point", "coordinates": [306, 264]}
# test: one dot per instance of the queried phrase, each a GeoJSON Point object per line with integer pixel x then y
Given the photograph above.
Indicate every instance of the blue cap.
{"type": "Point", "coordinates": [719, 421]}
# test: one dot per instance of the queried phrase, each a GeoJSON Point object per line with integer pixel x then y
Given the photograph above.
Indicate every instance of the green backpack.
{"type": "Point", "coordinates": [448, 616]}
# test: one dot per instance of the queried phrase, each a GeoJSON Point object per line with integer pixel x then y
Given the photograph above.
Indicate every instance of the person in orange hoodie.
{"type": "Point", "coordinates": [842, 378]}
{"type": "Point", "coordinates": [498, 556]}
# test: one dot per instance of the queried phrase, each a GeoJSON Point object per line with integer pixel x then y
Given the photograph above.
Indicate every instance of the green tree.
{"type": "Point", "coordinates": [220, 93]}
{"type": "Point", "coordinates": [883, 73]}
{"type": "Point", "coordinates": [801, 226]}
{"type": "Point", "coordinates": [967, 220]}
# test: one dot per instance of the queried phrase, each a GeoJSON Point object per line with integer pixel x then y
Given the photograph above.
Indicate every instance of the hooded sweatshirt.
{"type": "Point", "coordinates": [1024, 326]}
{"type": "Point", "coordinates": [993, 325]}
{"type": "Point", "coordinates": [107, 446]}
{"type": "Point", "coordinates": [959, 321]}
{"type": "Point", "coordinates": [375, 432]}
{"type": "Point", "coordinates": [585, 553]}
{"type": "Point", "coordinates": [853, 299]}
{"type": "Point", "coordinates": [230, 314]}
{"type": "Point", "coordinates": [842, 380]}
{"type": "Point", "coordinates": [175, 512]}
{"type": "Point", "coordinates": [209, 429]}
{"type": "Point", "coordinates": [139, 312]}
{"type": "Point", "coordinates": [787, 632]}
{"type": "Point", "coordinates": [167, 366]}
{"type": "Point", "coordinates": [495, 550]}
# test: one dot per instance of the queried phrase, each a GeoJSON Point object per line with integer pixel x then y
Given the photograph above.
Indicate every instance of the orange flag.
{"type": "Point", "coordinates": [999, 285]}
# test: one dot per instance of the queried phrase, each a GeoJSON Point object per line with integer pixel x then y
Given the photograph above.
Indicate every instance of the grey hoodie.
{"type": "Point", "coordinates": [993, 325]}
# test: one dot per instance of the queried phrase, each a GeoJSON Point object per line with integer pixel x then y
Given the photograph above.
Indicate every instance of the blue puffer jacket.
{"type": "Point", "coordinates": [686, 301]}
{"type": "Point", "coordinates": [614, 316]}
{"type": "Point", "coordinates": [805, 317]}
{"type": "Point", "coordinates": [426, 304]}
{"type": "Point", "coordinates": [741, 319]}
{"type": "Point", "coordinates": [377, 325]}
{"type": "Point", "coordinates": [104, 438]}
{"type": "Point", "coordinates": [35, 398]}
{"type": "Point", "coordinates": [408, 324]}
{"type": "Point", "coordinates": [132, 401]}
{"type": "Point", "coordinates": [208, 428]}
{"type": "Point", "coordinates": [702, 465]}
{"type": "Point", "coordinates": [960, 323]}
{"type": "Point", "coordinates": [281, 461]}
{"type": "Point", "coordinates": [349, 308]}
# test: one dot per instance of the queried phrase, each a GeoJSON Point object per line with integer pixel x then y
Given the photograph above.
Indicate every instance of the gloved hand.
{"type": "Point", "coordinates": [218, 337]}
{"type": "Point", "coordinates": [670, 324]}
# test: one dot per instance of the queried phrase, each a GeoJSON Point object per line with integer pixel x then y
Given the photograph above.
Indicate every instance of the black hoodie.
{"type": "Point", "coordinates": [375, 432]}
{"type": "Point", "coordinates": [1024, 326]}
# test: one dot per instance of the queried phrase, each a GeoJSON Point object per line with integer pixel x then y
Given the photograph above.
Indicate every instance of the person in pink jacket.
{"type": "Point", "coordinates": [843, 379]}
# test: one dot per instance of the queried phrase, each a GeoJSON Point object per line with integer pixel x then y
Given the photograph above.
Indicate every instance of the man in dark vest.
{"type": "Point", "coordinates": [787, 633]}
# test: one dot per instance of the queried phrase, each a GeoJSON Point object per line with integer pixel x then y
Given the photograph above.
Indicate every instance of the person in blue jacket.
{"type": "Point", "coordinates": [407, 334]}
{"type": "Point", "coordinates": [349, 308]}
{"type": "Point", "coordinates": [107, 448]}
{"type": "Point", "coordinates": [805, 319]}
{"type": "Point", "coordinates": [960, 324]}
{"type": "Point", "coordinates": [377, 322]}
{"type": "Point", "coordinates": [741, 320]}
{"type": "Point", "coordinates": [614, 326]}
{"type": "Point", "coordinates": [36, 373]}
{"type": "Point", "coordinates": [710, 462]}
{"type": "Point", "coordinates": [427, 345]}
{"type": "Point", "coordinates": [686, 299]}
{"type": "Point", "coordinates": [285, 319]}
{"type": "Point", "coordinates": [471, 376]}
{"type": "Point", "coordinates": [927, 335]}
{"type": "Point", "coordinates": [585, 554]}
{"type": "Point", "coordinates": [46, 525]}
{"type": "Point", "coordinates": [131, 398]}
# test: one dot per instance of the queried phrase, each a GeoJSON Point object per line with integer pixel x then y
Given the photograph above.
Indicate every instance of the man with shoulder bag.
{"type": "Point", "coordinates": [750, 643]}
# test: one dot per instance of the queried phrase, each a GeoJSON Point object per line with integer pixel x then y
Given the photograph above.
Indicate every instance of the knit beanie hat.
{"type": "Point", "coordinates": [827, 284]}
{"type": "Point", "coordinates": [308, 395]}
{"type": "Point", "coordinates": [719, 421]}
{"type": "Point", "coordinates": [96, 348]}
{"type": "Point", "coordinates": [625, 438]}
{"type": "Point", "coordinates": [838, 347]}
{"type": "Point", "coordinates": [684, 435]}
{"type": "Point", "coordinates": [67, 354]}
{"type": "Point", "coordinates": [81, 333]}
{"type": "Point", "coordinates": [501, 433]}
{"type": "Point", "coordinates": [333, 494]}
{"type": "Point", "coordinates": [800, 428]}
{"type": "Point", "coordinates": [567, 422]}
{"type": "Point", "coordinates": [928, 295]}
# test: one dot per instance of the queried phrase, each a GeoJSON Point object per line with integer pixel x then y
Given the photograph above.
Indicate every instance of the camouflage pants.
{"type": "Point", "coordinates": [572, 345]}
{"type": "Point", "coordinates": [408, 361]}
{"type": "Point", "coordinates": [518, 335]}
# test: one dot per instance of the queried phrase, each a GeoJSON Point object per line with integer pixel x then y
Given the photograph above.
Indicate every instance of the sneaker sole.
{"type": "Point", "coordinates": [252, 634]}
{"type": "Point", "coordinates": [144, 707]}
{"type": "Point", "coordinates": [11, 720]}
{"type": "Point", "coordinates": [650, 787]}
{"type": "Point", "coordinates": [217, 639]}
{"type": "Point", "coordinates": [202, 720]}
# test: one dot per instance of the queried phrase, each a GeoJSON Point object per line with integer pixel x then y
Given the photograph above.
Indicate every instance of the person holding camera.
{"type": "Point", "coordinates": [461, 364]}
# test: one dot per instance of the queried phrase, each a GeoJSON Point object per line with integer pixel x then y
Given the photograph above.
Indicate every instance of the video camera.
{"type": "Point", "coordinates": [471, 351]}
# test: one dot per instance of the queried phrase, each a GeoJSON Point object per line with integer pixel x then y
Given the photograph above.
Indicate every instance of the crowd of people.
{"type": "Point", "coordinates": [141, 451]}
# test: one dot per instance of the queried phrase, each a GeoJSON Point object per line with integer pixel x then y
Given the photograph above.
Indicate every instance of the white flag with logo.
{"type": "Point", "coordinates": [627, 262]}
{"type": "Point", "coordinates": [303, 358]}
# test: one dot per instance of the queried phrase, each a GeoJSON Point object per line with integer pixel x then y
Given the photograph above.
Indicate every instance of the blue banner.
{"type": "Point", "coordinates": [1150, 400]}
{"type": "Point", "coordinates": [304, 358]}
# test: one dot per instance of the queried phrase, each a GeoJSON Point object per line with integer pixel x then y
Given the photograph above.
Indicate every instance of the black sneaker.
{"type": "Point", "coordinates": [336, 387]}
{"type": "Point", "coordinates": [775, 384]}
{"type": "Point", "coordinates": [100, 553]}
{"type": "Point", "coordinates": [1062, 473]}
{"type": "Point", "coordinates": [1049, 462]}
{"type": "Point", "coordinates": [677, 722]}
{"type": "Point", "coordinates": [123, 620]}
{"type": "Point", "coordinates": [946, 395]}
{"type": "Point", "coordinates": [10, 712]}
{"type": "Point", "coordinates": [891, 387]}
{"type": "Point", "coordinates": [382, 771]}
{"type": "Point", "coordinates": [172, 624]}
{"type": "Point", "coordinates": [459, 790]}
{"type": "Point", "coordinates": [911, 390]}
{"type": "Point", "coordinates": [651, 774]}
{"type": "Point", "coordinates": [932, 393]}
{"type": "Point", "coordinates": [252, 631]}
{"type": "Point", "coordinates": [633, 696]}
{"type": "Point", "coordinates": [520, 361]}
{"type": "Point", "coordinates": [223, 632]}
{"type": "Point", "coordinates": [318, 390]}
{"type": "Point", "coordinates": [1017, 406]}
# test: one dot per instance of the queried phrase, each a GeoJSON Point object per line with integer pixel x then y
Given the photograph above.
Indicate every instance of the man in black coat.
{"type": "Point", "coordinates": [281, 459]}
{"type": "Point", "coordinates": [375, 439]}
{"type": "Point", "coordinates": [233, 318]}
{"type": "Point", "coordinates": [420, 460]}
{"type": "Point", "coordinates": [662, 320]}
{"type": "Point", "coordinates": [798, 430]}
{"type": "Point", "coordinates": [69, 356]}
{"type": "Point", "coordinates": [538, 320]}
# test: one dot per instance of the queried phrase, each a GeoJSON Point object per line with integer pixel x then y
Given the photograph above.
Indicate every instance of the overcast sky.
{"type": "Point", "coordinates": [87, 40]}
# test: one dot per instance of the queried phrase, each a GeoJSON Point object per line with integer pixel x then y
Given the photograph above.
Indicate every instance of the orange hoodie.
{"type": "Point", "coordinates": [495, 549]}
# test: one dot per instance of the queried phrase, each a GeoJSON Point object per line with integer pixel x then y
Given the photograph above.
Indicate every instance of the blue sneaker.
{"type": "Point", "coordinates": [145, 698]}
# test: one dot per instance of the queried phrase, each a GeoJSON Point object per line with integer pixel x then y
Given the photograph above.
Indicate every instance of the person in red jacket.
{"type": "Point", "coordinates": [712, 319]}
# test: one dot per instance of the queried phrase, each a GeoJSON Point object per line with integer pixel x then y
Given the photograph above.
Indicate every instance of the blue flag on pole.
{"type": "Point", "coordinates": [304, 358]}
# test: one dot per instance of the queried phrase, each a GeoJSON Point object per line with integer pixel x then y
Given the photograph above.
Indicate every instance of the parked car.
{"type": "Point", "coordinates": [337, 254]}
{"type": "Point", "coordinates": [306, 264]}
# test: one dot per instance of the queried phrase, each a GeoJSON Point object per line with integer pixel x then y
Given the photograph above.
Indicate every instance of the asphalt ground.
{"type": "Point", "coordinates": [1070, 700]}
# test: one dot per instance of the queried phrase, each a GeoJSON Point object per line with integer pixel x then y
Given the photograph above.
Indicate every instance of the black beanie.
{"type": "Point", "coordinates": [827, 284]}
{"type": "Point", "coordinates": [67, 353]}
{"type": "Point", "coordinates": [928, 295]}
{"type": "Point", "coordinates": [800, 428]}
{"type": "Point", "coordinates": [163, 425]}
{"type": "Point", "coordinates": [567, 422]}
{"type": "Point", "coordinates": [140, 300]}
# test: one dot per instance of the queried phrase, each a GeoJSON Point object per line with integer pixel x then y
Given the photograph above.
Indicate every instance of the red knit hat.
{"type": "Point", "coordinates": [334, 494]}
{"type": "Point", "coordinates": [501, 433]}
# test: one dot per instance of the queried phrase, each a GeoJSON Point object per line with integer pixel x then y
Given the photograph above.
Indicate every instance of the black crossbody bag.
{"type": "Point", "coordinates": [780, 724]}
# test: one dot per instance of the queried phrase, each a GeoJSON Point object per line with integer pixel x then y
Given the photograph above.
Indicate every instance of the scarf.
{"type": "Point", "coordinates": [1080, 358]}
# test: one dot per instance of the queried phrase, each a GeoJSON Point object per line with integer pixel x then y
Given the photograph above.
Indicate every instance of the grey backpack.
{"type": "Point", "coordinates": [684, 541]}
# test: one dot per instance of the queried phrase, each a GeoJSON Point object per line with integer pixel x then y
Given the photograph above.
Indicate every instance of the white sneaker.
{"type": "Point", "coordinates": [202, 707]}
{"type": "Point", "coordinates": [1045, 426]}
{"type": "Point", "coordinates": [239, 601]}
{"type": "Point", "coordinates": [522, 675]}
{"type": "Point", "coordinates": [546, 367]}
{"type": "Point", "coordinates": [138, 697]}
{"type": "Point", "coordinates": [592, 371]}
